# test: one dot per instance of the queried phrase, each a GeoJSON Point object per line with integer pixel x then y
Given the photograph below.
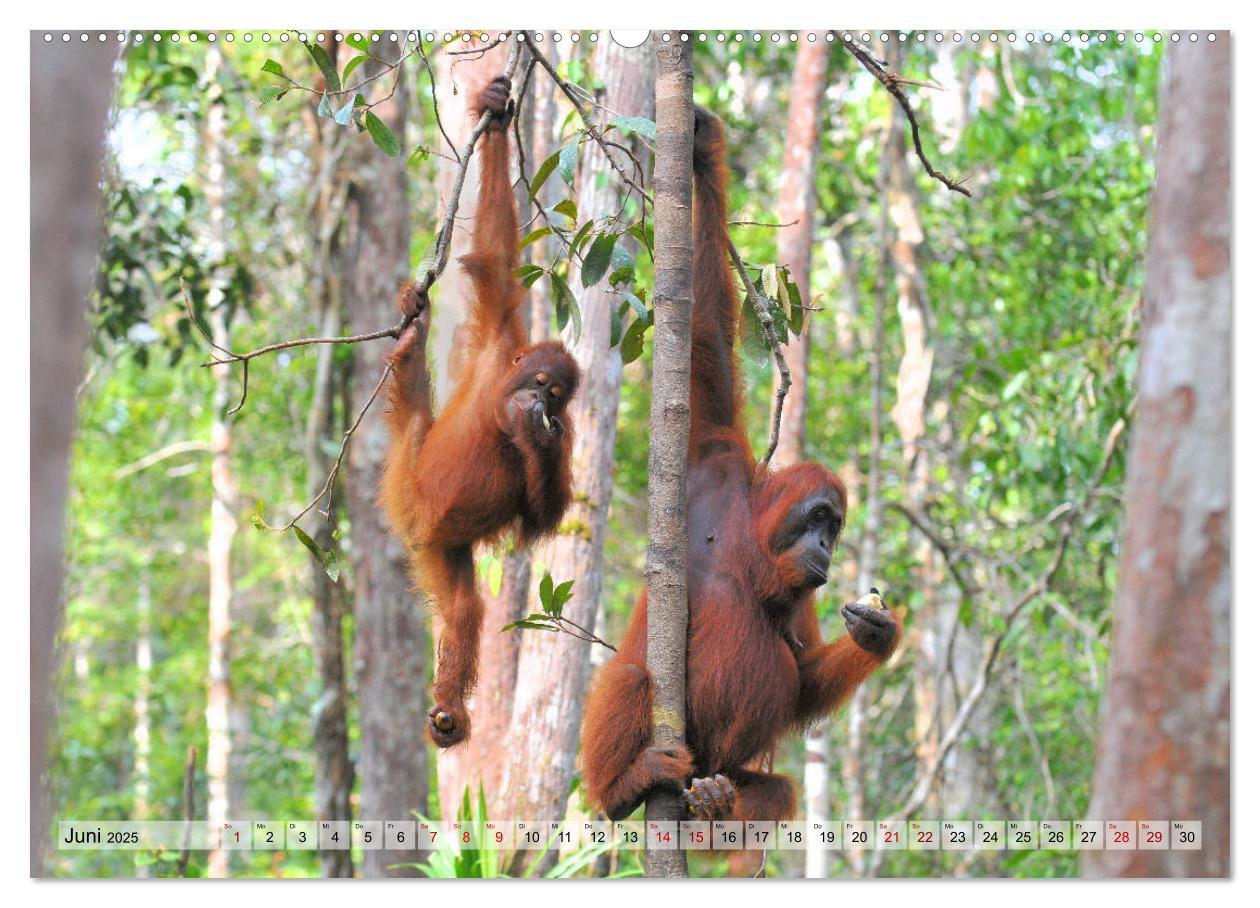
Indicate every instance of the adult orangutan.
{"type": "Point", "coordinates": [496, 459]}
{"type": "Point", "coordinates": [760, 543]}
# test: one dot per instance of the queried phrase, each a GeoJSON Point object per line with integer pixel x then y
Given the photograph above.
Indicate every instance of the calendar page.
{"type": "Point", "coordinates": [773, 450]}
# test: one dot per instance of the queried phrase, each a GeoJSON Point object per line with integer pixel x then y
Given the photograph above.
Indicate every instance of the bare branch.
{"type": "Point", "coordinates": [336, 468]}
{"type": "Point", "coordinates": [172, 450]}
{"type": "Point", "coordinates": [892, 83]}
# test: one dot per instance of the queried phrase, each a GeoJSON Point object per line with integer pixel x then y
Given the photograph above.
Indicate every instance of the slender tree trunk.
{"type": "Point", "coordinates": [1164, 749]}
{"type": "Point", "coordinates": [666, 563]}
{"type": "Point", "coordinates": [223, 485]}
{"type": "Point", "coordinates": [542, 138]}
{"type": "Point", "coordinates": [797, 203]}
{"type": "Point", "coordinates": [66, 155]}
{"type": "Point", "coordinates": [334, 773]}
{"type": "Point", "coordinates": [390, 646]}
{"type": "Point", "coordinates": [553, 670]}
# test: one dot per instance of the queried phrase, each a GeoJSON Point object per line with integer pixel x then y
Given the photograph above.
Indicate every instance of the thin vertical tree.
{"type": "Point", "coordinates": [223, 506]}
{"type": "Point", "coordinates": [334, 773]}
{"type": "Point", "coordinates": [391, 654]}
{"type": "Point", "coordinates": [666, 562]}
{"type": "Point", "coordinates": [798, 202]}
{"type": "Point", "coordinates": [1164, 749]}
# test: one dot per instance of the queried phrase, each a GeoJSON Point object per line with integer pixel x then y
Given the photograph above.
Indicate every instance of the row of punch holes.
{"type": "Point", "coordinates": [720, 37]}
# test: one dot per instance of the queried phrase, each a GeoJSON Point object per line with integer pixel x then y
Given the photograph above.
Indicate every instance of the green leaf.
{"type": "Point", "coordinates": [563, 593]}
{"type": "Point", "coordinates": [640, 309]}
{"type": "Point", "coordinates": [534, 236]}
{"type": "Point", "coordinates": [272, 93]}
{"type": "Point", "coordinates": [597, 259]}
{"type": "Point", "coordinates": [326, 558]}
{"type": "Point", "coordinates": [566, 207]}
{"type": "Point", "coordinates": [632, 342]}
{"type": "Point", "coordinates": [418, 154]}
{"type": "Point", "coordinates": [579, 238]}
{"type": "Point", "coordinates": [354, 63]}
{"type": "Point", "coordinates": [641, 125]}
{"type": "Point", "coordinates": [545, 590]}
{"type": "Point", "coordinates": [566, 305]}
{"type": "Point", "coordinates": [568, 160]}
{"type": "Point", "coordinates": [1014, 385]}
{"type": "Point", "coordinates": [343, 116]}
{"type": "Point", "coordinates": [382, 135]}
{"type": "Point", "coordinates": [325, 106]}
{"type": "Point", "coordinates": [614, 324]}
{"type": "Point", "coordinates": [544, 171]}
{"type": "Point", "coordinates": [529, 273]}
{"type": "Point", "coordinates": [325, 64]}
{"type": "Point", "coordinates": [359, 42]}
{"type": "Point", "coordinates": [271, 66]}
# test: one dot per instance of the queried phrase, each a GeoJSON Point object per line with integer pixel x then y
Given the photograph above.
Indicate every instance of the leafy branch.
{"type": "Point", "coordinates": [551, 618]}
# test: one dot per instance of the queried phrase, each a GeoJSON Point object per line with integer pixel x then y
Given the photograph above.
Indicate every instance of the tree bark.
{"type": "Point", "coordinates": [797, 205]}
{"type": "Point", "coordinates": [66, 153]}
{"type": "Point", "coordinates": [666, 563]}
{"type": "Point", "coordinates": [223, 505]}
{"type": "Point", "coordinates": [1164, 748]}
{"type": "Point", "coordinates": [390, 646]}
{"type": "Point", "coordinates": [553, 669]}
{"type": "Point", "coordinates": [334, 773]}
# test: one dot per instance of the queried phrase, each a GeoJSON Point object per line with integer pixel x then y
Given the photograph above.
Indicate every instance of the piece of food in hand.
{"type": "Point", "coordinates": [873, 600]}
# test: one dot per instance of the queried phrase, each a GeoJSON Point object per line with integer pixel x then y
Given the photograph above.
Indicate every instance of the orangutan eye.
{"type": "Point", "coordinates": [541, 378]}
{"type": "Point", "coordinates": [556, 391]}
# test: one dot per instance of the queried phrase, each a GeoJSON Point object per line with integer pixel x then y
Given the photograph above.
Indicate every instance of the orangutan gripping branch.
{"type": "Point", "coordinates": [760, 543]}
{"type": "Point", "coordinates": [496, 459]}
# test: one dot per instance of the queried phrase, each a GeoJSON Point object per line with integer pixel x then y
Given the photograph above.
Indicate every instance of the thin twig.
{"type": "Point", "coordinates": [892, 84]}
{"type": "Point", "coordinates": [480, 51]}
{"type": "Point", "coordinates": [776, 224]}
{"type": "Point", "coordinates": [433, 91]}
{"type": "Point", "coordinates": [336, 467]}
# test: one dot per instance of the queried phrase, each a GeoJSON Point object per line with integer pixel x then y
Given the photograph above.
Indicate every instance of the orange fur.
{"type": "Point", "coordinates": [486, 465]}
{"type": "Point", "coordinates": [756, 664]}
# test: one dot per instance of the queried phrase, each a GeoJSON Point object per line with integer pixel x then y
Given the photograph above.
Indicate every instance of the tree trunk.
{"type": "Point", "coordinates": [390, 646]}
{"type": "Point", "coordinates": [66, 154]}
{"type": "Point", "coordinates": [553, 670]}
{"type": "Point", "coordinates": [542, 138]}
{"type": "Point", "coordinates": [1164, 749]}
{"type": "Point", "coordinates": [223, 485]}
{"type": "Point", "coordinates": [334, 773]}
{"type": "Point", "coordinates": [797, 203]}
{"type": "Point", "coordinates": [666, 563]}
